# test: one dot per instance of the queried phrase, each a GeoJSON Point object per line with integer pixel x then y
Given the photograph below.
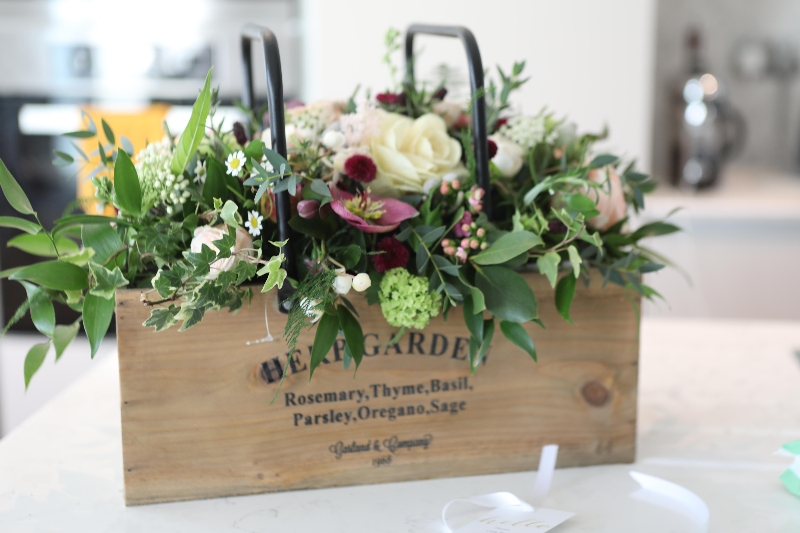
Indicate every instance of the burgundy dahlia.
{"type": "Point", "coordinates": [240, 133]}
{"type": "Point", "coordinates": [492, 149]}
{"type": "Point", "coordinates": [440, 93]}
{"type": "Point", "coordinates": [360, 168]}
{"type": "Point", "coordinates": [395, 255]}
{"type": "Point", "coordinates": [500, 122]}
{"type": "Point", "coordinates": [391, 98]}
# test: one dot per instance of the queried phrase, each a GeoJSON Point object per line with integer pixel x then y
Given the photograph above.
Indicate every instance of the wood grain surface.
{"type": "Point", "coordinates": [198, 420]}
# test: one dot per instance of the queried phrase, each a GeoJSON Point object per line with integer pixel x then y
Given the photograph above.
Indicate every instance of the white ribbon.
{"type": "Point", "coordinates": [269, 337]}
{"type": "Point", "coordinates": [544, 477]}
{"type": "Point", "coordinates": [673, 497]}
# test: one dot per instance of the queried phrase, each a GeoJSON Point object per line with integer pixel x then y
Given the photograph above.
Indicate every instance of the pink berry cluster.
{"type": "Point", "coordinates": [475, 198]}
{"type": "Point", "coordinates": [475, 240]}
{"type": "Point", "coordinates": [447, 186]}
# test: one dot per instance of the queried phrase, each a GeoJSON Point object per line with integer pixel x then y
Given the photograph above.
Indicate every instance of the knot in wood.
{"type": "Point", "coordinates": [595, 393]}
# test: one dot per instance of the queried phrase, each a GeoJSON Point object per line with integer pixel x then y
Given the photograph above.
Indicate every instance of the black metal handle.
{"type": "Point", "coordinates": [272, 63]}
{"type": "Point", "coordinates": [479, 127]}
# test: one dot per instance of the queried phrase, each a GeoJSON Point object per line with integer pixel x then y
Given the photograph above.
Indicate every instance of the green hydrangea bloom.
{"type": "Point", "coordinates": [406, 301]}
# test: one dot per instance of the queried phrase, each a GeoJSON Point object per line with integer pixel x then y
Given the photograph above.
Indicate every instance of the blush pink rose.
{"type": "Point", "coordinates": [609, 197]}
{"type": "Point", "coordinates": [208, 234]}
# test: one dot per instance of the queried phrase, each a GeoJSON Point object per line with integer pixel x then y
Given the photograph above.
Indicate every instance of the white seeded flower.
{"type": "Point", "coordinates": [235, 163]}
{"type": "Point", "coordinates": [253, 223]}
{"type": "Point", "coordinates": [333, 139]}
{"type": "Point", "coordinates": [158, 184]}
{"type": "Point", "coordinates": [361, 282]}
{"type": "Point", "coordinates": [342, 283]}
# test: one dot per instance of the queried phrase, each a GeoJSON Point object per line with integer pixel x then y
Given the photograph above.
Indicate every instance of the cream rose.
{"type": "Point", "coordinates": [409, 152]}
{"type": "Point", "coordinates": [208, 234]}
{"type": "Point", "coordinates": [508, 158]}
{"type": "Point", "coordinates": [609, 197]}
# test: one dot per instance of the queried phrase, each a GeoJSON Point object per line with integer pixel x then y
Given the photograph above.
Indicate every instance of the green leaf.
{"type": "Point", "coordinates": [508, 296]}
{"type": "Point", "coordinates": [353, 334]}
{"type": "Point", "coordinates": [473, 319]}
{"type": "Point", "coordinates": [41, 245]}
{"type": "Point", "coordinates": [215, 185]}
{"type": "Point", "coordinates": [230, 214]}
{"type": "Point", "coordinates": [575, 259]}
{"type": "Point", "coordinates": [43, 314]}
{"type": "Point", "coordinates": [349, 256]}
{"type": "Point", "coordinates": [279, 164]}
{"type": "Point", "coordinates": [97, 313]}
{"type": "Point", "coordinates": [433, 235]}
{"type": "Point", "coordinates": [276, 276]}
{"type": "Point", "coordinates": [254, 149]}
{"type": "Point", "coordinates": [63, 336]}
{"type": "Point", "coordinates": [508, 247]}
{"type": "Point", "coordinates": [603, 160]}
{"type": "Point", "coordinates": [106, 281]}
{"type": "Point", "coordinates": [79, 134]}
{"type": "Point", "coordinates": [103, 239]}
{"type": "Point", "coordinates": [21, 224]}
{"type": "Point", "coordinates": [548, 265]}
{"type": "Point", "coordinates": [372, 293]}
{"type": "Point", "coordinates": [582, 203]}
{"type": "Point", "coordinates": [654, 229]}
{"type": "Point", "coordinates": [54, 275]}
{"type": "Point", "coordinates": [565, 290]}
{"type": "Point", "coordinates": [519, 337]}
{"type": "Point", "coordinates": [321, 188]}
{"type": "Point", "coordinates": [194, 131]}
{"type": "Point", "coordinates": [82, 220]}
{"type": "Point", "coordinates": [161, 318]}
{"type": "Point", "coordinates": [126, 185]}
{"type": "Point", "coordinates": [34, 360]}
{"type": "Point", "coordinates": [488, 334]}
{"type": "Point", "coordinates": [109, 133]}
{"type": "Point", "coordinates": [191, 316]}
{"type": "Point", "coordinates": [327, 329]}
{"type": "Point", "coordinates": [13, 192]}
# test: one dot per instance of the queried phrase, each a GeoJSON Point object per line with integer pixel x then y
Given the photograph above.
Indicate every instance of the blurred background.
{"type": "Point", "coordinates": [702, 93]}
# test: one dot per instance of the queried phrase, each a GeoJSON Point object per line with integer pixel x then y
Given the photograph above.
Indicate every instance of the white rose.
{"type": "Point", "coordinates": [609, 197]}
{"type": "Point", "coordinates": [508, 158]}
{"type": "Point", "coordinates": [342, 284]}
{"type": "Point", "coordinates": [409, 152]}
{"type": "Point", "coordinates": [208, 234]}
{"type": "Point", "coordinates": [266, 138]}
{"type": "Point", "coordinates": [361, 282]}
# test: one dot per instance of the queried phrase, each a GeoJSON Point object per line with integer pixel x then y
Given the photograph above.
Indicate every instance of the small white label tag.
{"type": "Point", "coordinates": [510, 520]}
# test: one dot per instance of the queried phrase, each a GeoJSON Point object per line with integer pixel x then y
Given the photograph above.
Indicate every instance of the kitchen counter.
{"type": "Point", "coordinates": [717, 397]}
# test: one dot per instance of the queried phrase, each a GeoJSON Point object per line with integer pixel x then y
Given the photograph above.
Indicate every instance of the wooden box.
{"type": "Point", "coordinates": [198, 422]}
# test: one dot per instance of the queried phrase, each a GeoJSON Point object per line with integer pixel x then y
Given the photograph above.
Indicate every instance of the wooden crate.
{"type": "Point", "coordinates": [197, 421]}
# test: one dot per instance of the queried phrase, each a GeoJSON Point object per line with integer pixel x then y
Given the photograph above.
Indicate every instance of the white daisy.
{"type": "Point", "coordinates": [235, 163]}
{"type": "Point", "coordinates": [200, 172]}
{"type": "Point", "coordinates": [253, 223]}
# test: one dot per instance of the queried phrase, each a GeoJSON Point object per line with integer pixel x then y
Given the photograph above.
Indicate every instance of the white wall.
{"type": "Point", "coordinates": [590, 60]}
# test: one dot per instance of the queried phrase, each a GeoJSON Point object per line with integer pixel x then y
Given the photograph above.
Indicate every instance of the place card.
{"type": "Point", "coordinates": [510, 520]}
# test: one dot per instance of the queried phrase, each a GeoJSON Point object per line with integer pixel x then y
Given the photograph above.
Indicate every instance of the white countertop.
{"type": "Point", "coordinates": [716, 399]}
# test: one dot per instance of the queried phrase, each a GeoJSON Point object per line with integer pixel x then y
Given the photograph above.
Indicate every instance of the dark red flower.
{"type": "Point", "coordinates": [440, 93]}
{"type": "Point", "coordinates": [360, 168]}
{"type": "Point", "coordinates": [396, 255]}
{"type": "Point", "coordinates": [240, 133]}
{"type": "Point", "coordinates": [492, 149]}
{"type": "Point", "coordinates": [500, 122]}
{"type": "Point", "coordinates": [387, 98]}
{"type": "Point", "coordinates": [556, 227]}
{"type": "Point", "coordinates": [462, 122]}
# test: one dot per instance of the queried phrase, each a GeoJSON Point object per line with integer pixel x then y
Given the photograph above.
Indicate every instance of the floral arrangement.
{"type": "Point", "coordinates": [385, 201]}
